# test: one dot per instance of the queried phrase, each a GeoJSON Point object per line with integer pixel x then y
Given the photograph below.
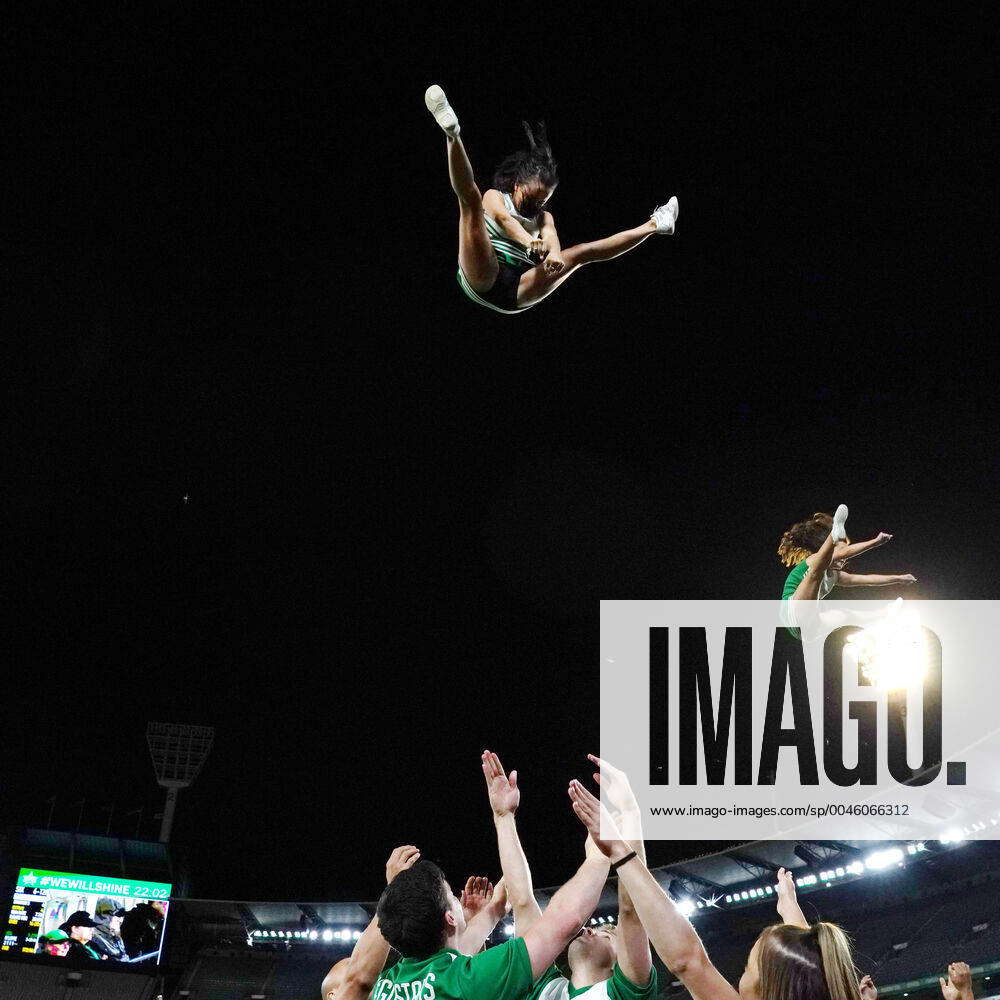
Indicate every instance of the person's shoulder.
{"type": "Point", "coordinates": [619, 985]}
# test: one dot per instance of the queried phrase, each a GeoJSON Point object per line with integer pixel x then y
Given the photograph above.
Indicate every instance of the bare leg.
{"type": "Point", "coordinates": [808, 588]}
{"type": "Point", "coordinates": [537, 283]}
{"type": "Point", "coordinates": [475, 252]}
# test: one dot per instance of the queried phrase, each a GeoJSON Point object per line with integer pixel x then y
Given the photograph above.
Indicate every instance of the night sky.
{"type": "Point", "coordinates": [270, 471]}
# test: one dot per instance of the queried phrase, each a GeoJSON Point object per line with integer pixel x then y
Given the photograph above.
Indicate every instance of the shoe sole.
{"type": "Point", "coordinates": [437, 104]}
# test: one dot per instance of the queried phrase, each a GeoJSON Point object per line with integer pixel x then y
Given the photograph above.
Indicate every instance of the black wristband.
{"type": "Point", "coordinates": [623, 861]}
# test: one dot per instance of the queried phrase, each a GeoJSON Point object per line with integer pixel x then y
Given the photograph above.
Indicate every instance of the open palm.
{"type": "Point", "coordinates": [504, 794]}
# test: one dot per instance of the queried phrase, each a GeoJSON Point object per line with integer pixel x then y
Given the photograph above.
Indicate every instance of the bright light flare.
{"type": "Point", "coordinates": [892, 654]}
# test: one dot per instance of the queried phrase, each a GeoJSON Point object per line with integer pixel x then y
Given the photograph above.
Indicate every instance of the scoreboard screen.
{"type": "Point", "coordinates": [87, 918]}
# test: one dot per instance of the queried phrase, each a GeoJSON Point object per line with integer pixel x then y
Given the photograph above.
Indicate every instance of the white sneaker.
{"type": "Point", "coordinates": [837, 532]}
{"type": "Point", "coordinates": [438, 106]}
{"type": "Point", "coordinates": [666, 216]}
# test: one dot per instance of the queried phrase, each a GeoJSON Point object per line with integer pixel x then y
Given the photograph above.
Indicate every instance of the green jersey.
{"type": "Point", "coordinates": [500, 973]}
{"type": "Point", "coordinates": [618, 987]}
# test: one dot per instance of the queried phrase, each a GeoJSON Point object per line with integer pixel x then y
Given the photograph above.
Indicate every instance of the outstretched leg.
{"type": "Point", "coordinates": [808, 588]}
{"type": "Point", "coordinates": [475, 252]}
{"type": "Point", "coordinates": [537, 283]}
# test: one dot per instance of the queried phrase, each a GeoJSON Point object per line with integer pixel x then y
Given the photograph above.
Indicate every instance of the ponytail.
{"type": "Point", "coordinates": [838, 964]}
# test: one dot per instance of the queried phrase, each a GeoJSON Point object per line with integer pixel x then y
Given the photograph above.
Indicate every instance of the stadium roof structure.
{"type": "Point", "coordinates": [739, 876]}
{"type": "Point", "coordinates": [751, 868]}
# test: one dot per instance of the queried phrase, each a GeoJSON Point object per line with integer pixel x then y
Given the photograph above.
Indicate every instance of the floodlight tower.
{"type": "Point", "coordinates": [178, 754]}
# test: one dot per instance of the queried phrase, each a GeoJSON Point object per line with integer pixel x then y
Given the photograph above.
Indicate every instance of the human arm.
{"type": "Point", "coordinates": [369, 954]}
{"type": "Point", "coordinates": [874, 579]}
{"type": "Point", "coordinates": [675, 940]}
{"type": "Point", "coordinates": [570, 908]}
{"type": "Point", "coordinates": [505, 797]}
{"type": "Point", "coordinates": [493, 205]}
{"type": "Point", "coordinates": [788, 903]}
{"type": "Point", "coordinates": [554, 262]}
{"type": "Point", "coordinates": [848, 550]}
{"type": "Point", "coordinates": [634, 957]}
{"type": "Point", "coordinates": [484, 908]}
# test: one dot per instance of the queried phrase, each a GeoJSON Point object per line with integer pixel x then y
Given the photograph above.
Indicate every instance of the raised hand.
{"type": "Point", "coordinates": [959, 984]}
{"type": "Point", "coordinates": [593, 815]}
{"type": "Point", "coordinates": [476, 896]}
{"type": "Point", "coordinates": [867, 988]}
{"type": "Point", "coordinates": [785, 888]}
{"type": "Point", "coordinates": [401, 859]}
{"type": "Point", "coordinates": [949, 990]}
{"type": "Point", "coordinates": [614, 783]}
{"type": "Point", "coordinates": [880, 539]}
{"type": "Point", "coordinates": [504, 794]}
{"type": "Point", "coordinates": [500, 901]}
{"type": "Point", "coordinates": [787, 902]}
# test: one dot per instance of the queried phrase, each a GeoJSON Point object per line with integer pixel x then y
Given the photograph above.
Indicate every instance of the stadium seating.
{"type": "Point", "coordinates": [22, 981]}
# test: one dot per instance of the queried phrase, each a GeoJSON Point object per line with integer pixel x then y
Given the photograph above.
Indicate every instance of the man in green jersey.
{"type": "Point", "coordinates": [605, 963]}
{"type": "Point", "coordinates": [482, 904]}
{"type": "Point", "coordinates": [422, 919]}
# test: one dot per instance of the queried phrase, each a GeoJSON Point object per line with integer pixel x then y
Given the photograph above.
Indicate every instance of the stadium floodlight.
{"type": "Point", "coordinates": [686, 907]}
{"type": "Point", "coordinates": [178, 754]}
{"type": "Point", "coordinates": [883, 859]}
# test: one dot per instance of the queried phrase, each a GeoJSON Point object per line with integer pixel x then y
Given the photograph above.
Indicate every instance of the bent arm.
{"type": "Point", "coordinates": [367, 961]}
{"type": "Point", "coordinates": [548, 233]}
{"type": "Point", "coordinates": [568, 911]}
{"type": "Point", "coordinates": [482, 925]}
{"type": "Point", "coordinates": [494, 206]}
{"type": "Point", "coordinates": [673, 937]}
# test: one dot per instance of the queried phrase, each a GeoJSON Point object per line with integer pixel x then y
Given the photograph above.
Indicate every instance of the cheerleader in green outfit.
{"type": "Point", "coordinates": [509, 254]}
{"type": "Point", "coordinates": [817, 549]}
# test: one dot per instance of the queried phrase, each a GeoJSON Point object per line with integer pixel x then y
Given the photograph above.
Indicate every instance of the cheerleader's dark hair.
{"type": "Point", "coordinates": [534, 163]}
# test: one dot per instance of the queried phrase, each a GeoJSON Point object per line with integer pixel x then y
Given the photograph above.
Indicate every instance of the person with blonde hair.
{"type": "Point", "coordinates": [793, 960]}
{"type": "Point", "coordinates": [816, 550]}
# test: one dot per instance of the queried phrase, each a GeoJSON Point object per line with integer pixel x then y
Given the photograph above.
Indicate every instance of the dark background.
{"type": "Point", "coordinates": [235, 245]}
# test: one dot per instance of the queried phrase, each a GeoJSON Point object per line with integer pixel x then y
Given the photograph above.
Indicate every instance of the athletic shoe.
{"type": "Point", "coordinates": [666, 216]}
{"type": "Point", "coordinates": [438, 106]}
{"type": "Point", "coordinates": [837, 532]}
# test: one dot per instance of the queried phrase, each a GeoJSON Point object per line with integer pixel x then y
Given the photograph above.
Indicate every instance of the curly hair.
{"type": "Point", "coordinates": [533, 163]}
{"type": "Point", "coordinates": [804, 538]}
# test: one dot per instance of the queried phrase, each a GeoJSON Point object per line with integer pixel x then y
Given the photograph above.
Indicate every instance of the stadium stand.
{"type": "Point", "coordinates": [20, 981]}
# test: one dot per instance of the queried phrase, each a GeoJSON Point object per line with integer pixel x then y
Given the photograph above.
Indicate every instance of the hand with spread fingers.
{"type": "Point", "coordinates": [476, 895]}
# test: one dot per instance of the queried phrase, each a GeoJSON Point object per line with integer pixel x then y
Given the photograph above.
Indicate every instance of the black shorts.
{"type": "Point", "coordinates": [503, 293]}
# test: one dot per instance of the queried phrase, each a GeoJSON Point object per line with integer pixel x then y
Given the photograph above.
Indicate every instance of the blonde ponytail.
{"type": "Point", "coordinates": [838, 963]}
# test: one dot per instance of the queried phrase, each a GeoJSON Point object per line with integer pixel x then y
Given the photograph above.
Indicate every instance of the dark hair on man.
{"type": "Point", "coordinates": [533, 163]}
{"type": "Point", "coordinates": [804, 538]}
{"type": "Point", "coordinates": [411, 910]}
